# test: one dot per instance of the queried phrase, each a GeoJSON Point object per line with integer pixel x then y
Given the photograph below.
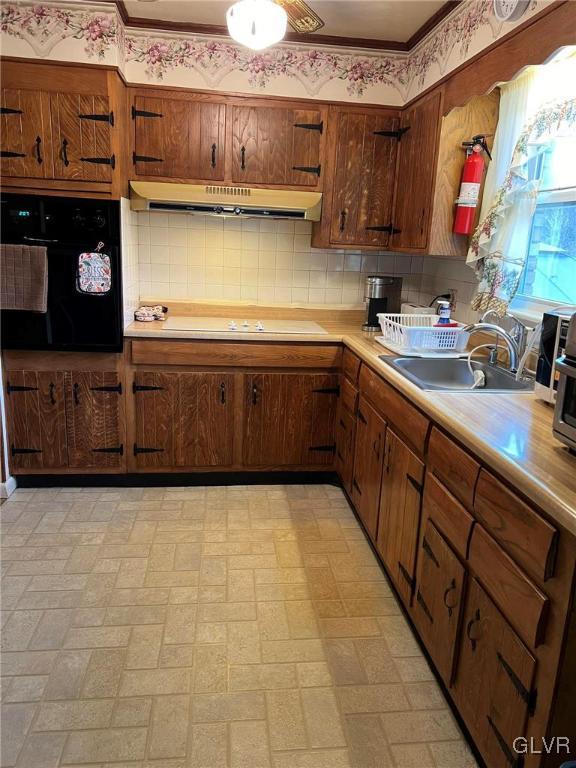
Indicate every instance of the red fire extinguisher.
{"type": "Point", "coordinates": [470, 184]}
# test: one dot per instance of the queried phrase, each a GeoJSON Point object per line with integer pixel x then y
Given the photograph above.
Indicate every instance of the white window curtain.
{"type": "Point", "coordinates": [498, 248]}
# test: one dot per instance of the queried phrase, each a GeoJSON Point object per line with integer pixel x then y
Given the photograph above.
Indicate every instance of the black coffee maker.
{"type": "Point", "coordinates": [381, 294]}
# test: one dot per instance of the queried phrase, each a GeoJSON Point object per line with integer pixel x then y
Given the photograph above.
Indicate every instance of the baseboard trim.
{"type": "Point", "coordinates": [160, 479]}
{"type": "Point", "coordinates": [8, 488]}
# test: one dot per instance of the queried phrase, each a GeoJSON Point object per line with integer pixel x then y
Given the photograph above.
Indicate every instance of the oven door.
{"type": "Point", "coordinates": [565, 411]}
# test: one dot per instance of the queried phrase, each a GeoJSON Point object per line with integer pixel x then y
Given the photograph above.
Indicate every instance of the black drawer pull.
{"type": "Point", "coordinates": [223, 393]}
{"type": "Point", "coordinates": [474, 620]}
{"type": "Point", "coordinates": [51, 389]}
{"type": "Point", "coordinates": [119, 450]}
{"type": "Point", "coordinates": [5, 153]}
{"type": "Point", "coordinates": [64, 152]}
{"type": "Point", "coordinates": [213, 156]}
{"type": "Point", "coordinates": [15, 451]}
{"type": "Point", "coordinates": [254, 394]}
{"type": "Point", "coordinates": [75, 391]}
{"type": "Point", "coordinates": [342, 221]}
{"type": "Point", "coordinates": [38, 150]}
{"type": "Point", "coordinates": [243, 158]}
{"type": "Point", "coordinates": [138, 450]}
{"type": "Point", "coordinates": [116, 388]}
{"type": "Point", "coordinates": [449, 589]}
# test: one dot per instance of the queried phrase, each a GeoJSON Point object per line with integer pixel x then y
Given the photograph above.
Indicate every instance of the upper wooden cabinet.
{"type": "Point", "coordinates": [61, 139]}
{"type": "Point", "coordinates": [178, 138]}
{"type": "Point", "coordinates": [273, 145]}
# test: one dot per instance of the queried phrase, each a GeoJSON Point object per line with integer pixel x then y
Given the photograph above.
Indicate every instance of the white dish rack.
{"type": "Point", "coordinates": [416, 336]}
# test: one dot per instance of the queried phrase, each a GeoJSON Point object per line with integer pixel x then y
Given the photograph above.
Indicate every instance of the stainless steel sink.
{"type": "Point", "coordinates": [452, 374]}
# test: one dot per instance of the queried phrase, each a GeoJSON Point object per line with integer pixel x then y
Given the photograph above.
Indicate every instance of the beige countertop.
{"type": "Point", "coordinates": [512, 433]}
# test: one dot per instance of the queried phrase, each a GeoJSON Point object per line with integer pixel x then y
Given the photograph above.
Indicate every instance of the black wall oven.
{"type": "Point", "coordinates": [75, 320]}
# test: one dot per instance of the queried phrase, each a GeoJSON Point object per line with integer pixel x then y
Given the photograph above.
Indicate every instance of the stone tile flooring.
{"type": "Point", "coordinates": [208, 627]}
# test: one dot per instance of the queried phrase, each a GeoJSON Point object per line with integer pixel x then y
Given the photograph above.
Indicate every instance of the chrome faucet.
{"type": "Point", "coordinates": [510, 342]}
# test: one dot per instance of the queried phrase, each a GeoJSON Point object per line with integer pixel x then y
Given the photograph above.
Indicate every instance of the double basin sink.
{"type": "Point", "coordinates": [453, 375]}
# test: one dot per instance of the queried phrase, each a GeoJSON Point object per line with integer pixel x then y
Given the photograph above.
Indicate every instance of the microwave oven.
{"type": "Point", "coordinates": [552, 344]}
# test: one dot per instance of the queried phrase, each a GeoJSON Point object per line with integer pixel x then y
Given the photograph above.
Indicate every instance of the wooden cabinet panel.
{"type": "Point", "coordinates": [399, 516]}
{"type": "Point", "coordinates": [289, 419]}
{"type": "Point", "coordinates": [156, 419]}
{"type": "Point", "coordinates": [438, 599]}
{"type": "Point", "coordinates": [348, 396]}
{"type": "Point", "coordinates": [273, 145]}
{"type": "Point", "coordinates": [368, 463]}
{"type": "Point", "coordinates": [493, 685]}
{"type": "Point", "coordinates": [523, 533]}
{"type": "Point", "coordinates": [93, 419]}
{"type": "Point", "coordinates": [37, 420]}
{"type": "Point", "coordinates": [81, 137]}
{"type": "Point", "coordinates": [525, 606]}
{"type": "Point", "coordinates": [363, 183]}
{"type": "Point", "coordinates": [205, 425]}
{"type": "Point", "coordinates": [345, 434]}
{"type": "Point", "coordinates": [453, 465]}
{"type": "Point", "coordinates": [350, 365]}
{"type": "Point", "coordinates": [448, 514]}
{"type": "Point", "coordinates": [26, 134]}
{"type": "Point", "coordinates": [415, 174]}
{"type": "Point", "coordinates": [178, 138]}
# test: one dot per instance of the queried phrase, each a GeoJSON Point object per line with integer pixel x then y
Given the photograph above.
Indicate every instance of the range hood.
{"type": "Point", "coordinates": [212, 200]}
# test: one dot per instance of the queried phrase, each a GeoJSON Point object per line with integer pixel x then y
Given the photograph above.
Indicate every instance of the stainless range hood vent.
{"type": "Point", "coordinates": [211, 200]}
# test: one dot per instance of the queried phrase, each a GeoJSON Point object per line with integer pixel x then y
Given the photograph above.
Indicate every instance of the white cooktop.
{"type": "Point", "coordinates": [226, 324]}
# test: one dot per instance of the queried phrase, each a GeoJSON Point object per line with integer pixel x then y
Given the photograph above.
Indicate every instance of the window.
{"type": "Point", "coordinates": [550, 272]}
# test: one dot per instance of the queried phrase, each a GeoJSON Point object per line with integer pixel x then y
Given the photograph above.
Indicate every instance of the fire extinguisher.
{"type": "Point", "coordinates": [470, 184]}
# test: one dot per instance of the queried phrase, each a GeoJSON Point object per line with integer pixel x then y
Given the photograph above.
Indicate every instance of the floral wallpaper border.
{"type": "Point", "coordinates": [315, 70]}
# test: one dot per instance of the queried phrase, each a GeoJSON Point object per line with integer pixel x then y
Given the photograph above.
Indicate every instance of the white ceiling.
{"type": "Point", "coordinates": [376, 19]}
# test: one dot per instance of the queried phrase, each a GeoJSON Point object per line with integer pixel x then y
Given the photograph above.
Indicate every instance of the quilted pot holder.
{"type": "Point", "coordinates": [94, 273]}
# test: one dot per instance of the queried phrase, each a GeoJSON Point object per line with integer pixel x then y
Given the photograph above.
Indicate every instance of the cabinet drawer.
{"type": "Point", "coordinates": [395, 409]}
{"type": "Point", "coordinates": [524, 605]}
{"type": "Point", "coordinates": [523, 533]}
{"type": "Point", "coordinates": [350, 365]}
{"type": "Point", "coordinates": [448, 514]}
{"type": "Point", "coordinates": [348, 396]}
{"type": "Point", "coordinates": [456, 468]}
{"type": "Point", "coordinates": [244, 354]}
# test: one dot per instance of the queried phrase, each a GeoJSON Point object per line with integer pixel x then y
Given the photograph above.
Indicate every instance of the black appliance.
{"type": "Point", "coordinates": [67, 226]}
{"type": "Point", "coordinates": [381, 294]}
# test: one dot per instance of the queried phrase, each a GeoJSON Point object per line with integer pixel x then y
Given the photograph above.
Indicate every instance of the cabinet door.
{"type": "Point", "coordinates": [156, 419]}
{"type": "Point", "coordinates": [81, 137]}
{"type": "Point", "coordinates": [364, 179]}
{"type": "Point", "coordinates": [93, 425]}
{"type": "Point", "coordinates": [205, 427]}
{"type": "Point", "coordinates": [368, 462]}
{"type": "Point", "coordinates": [289, 419]}
{"type": "Point", "coordinates": [345, 434]}
{"type": "Point", "coordinates": [399, 517]}
{"type": "Point", "coordinates": [494, 678]}
{"type": "Point", "coordinates": [26, 132]}
{"type": "Point", "coordinates": [178, 138]}
{"type": "Point", "coordinates": [415, 177]}
{"type": "Point", "coordinates": [438, 599]}
{"type": "Point", "coordinates": [37, 420]}
{"type": "Point", "coordinates": [276, 146]}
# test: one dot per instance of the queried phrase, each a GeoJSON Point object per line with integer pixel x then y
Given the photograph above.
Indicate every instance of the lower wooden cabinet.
{"type": "Point", "coordinates": [399, 515]}
{"type": "Point", "coordinates": [36, 420]}
{"type": "Point", "coordinates": [345, 434]}
{"type": "Point", "coordinates": [438, 599]}
{"type": "Point", "coordinates": [183, 419]}
{"type": "Point", "coordinates": [289, 419]}
{"type": "Point", "coordinates": [368, 463]}
{"type": "Point", "coordinates": [494, 680]}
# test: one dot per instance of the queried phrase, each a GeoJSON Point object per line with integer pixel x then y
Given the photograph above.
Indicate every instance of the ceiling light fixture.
{"type": "Point", "coordinates": [256, 24]}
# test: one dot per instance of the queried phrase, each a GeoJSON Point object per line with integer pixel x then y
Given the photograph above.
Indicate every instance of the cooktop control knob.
{"type": "Point", "coordinates": [259, 326]}
{"type": "Point", "coordinates": [232, 325]}
{"type": "Point", "coordinates": [246, 324]}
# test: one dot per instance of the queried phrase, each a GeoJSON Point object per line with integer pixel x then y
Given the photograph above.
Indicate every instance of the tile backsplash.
{"type": "Point", "coordinates": [190, 257]}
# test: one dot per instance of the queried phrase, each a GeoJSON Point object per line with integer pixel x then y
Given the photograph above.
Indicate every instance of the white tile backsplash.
{"type": "Point", "coordinates": [182, 256]}
{"type": "Point", "coordinates": [131, 275]}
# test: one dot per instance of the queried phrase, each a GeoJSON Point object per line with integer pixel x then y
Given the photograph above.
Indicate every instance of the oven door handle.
{"type": "Point", "coordinates": [566, 368]}
{"type": "Point", "coordinates": [38, 239]}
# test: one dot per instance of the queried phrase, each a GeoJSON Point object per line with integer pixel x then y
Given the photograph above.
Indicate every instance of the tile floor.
{"type": "Point", "coordinates": [208, 627]}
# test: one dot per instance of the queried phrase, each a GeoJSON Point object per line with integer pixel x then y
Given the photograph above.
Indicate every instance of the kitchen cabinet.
{"type": "Point", "coordinates": [276, 145]}
{"type": "Point", "coordinates": [289, 419]}
{"type": "Point", "coordinates": [26, 134]}
{"type": "Point", "coordinates": [494, 679]}
{"type": "Point", "coordinates": [399, 513]}
{"type": "Point", "coordinates": [368, 463]}
{"type": "Point", "coordinates": [345, 436]}
{"type": "Point", "coordinates": [93, 419]}
{"type": "Point", "coordinates": [36, 419]}
{"type": "Point", "coordinates": [178, 138]}
{"type": "Point", "coordinates": [438, 599]}
{"type": "Point", "coordinates": [415, 173]}
{"type": "Point", "coordinates": [183, 419]}
{"type": "Point", "coordinates": [365, 150]}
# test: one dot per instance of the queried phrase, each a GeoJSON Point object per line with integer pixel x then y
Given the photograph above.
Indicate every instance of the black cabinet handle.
{"type": "Point", "coordinates": [342, 220]}
{"type": "Point", "coordinates": [52, 398]}
{"type": "Point", "coordinates": [64, 152]}
{"type": "Point", "coordinates": [376, 446]}
{"type": "Point", "coordinates": [75, 389]}
{"type": "Point", "coordinates": [254, 394]}
{"type": "Point", "coordinates": [450, 589]}
{"type": "Point", "coordinates": [243, 158]}
{"type": "Point", "coordinates": [223, 393]}
{"type": "Point", "coordinates": [213, 160]}
{"type": "Point", "coordinates": [38, 151]}
{"type": "Point", "coordinates": [474, 620]}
